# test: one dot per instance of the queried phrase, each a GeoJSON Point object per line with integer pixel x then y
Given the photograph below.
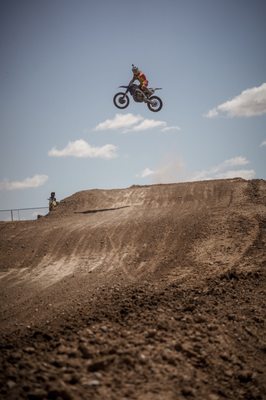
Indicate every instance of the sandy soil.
{"type": "Point", "coordinates": [150, 292]}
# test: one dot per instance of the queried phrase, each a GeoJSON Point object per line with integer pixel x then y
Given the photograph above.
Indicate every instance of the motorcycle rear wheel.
{"type": "Point", "coordinates": [156, 104]}
{"type": "Point", "coordinates": [121, 100]}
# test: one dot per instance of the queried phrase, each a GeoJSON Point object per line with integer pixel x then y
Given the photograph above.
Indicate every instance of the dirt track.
{"type": "Point", "coordinates": [150, 292]}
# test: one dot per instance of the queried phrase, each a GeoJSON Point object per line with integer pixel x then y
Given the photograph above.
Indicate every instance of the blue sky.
{"type": "Point", "coordinates": [62, 62]}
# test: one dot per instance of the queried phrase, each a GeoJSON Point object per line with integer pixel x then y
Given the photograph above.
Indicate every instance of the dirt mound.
{"type": "Point", "coordinates": [150, 292]}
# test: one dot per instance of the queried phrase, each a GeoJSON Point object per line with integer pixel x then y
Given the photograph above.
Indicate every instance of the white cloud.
{"type": "Point", "coordinates": [27, 183]}
{"type": "Point", "coordinates": [147, 124]}
{"type": "Point", "coordinates": [133, 123]}
{"type": "Point", "coordinates": [146, 172]}
{"type": "Point", "coordinates": [171, 128]}
{"type": "Point", "coordinates": [232, 162]}
{"type": "Point", "coordinates": [81, 149]}
{"type": "Point", "coordinates": [120, 121]}
{"type": "Point", "coordinates": [168, 172]}
{"type": "Point", "coordinates": [238, 173]}
{"type": "Point", "coordinates": [225, 170]}
{"type": "Point", "coordinates": [249, 103]}
{"type": "Point", "coordinates": [263, 143]}
{"type": "Point", "coordinates": [212, 113]}
{"type": "Point", "coordinates": [173, 170]}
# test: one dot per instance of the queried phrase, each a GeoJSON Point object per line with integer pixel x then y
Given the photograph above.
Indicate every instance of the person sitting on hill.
{"type": "Point", "coordinates": [52, 201]}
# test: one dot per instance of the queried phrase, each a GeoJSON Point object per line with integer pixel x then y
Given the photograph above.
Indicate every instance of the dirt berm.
{"type": "Point", "coordinates": [150, 292]}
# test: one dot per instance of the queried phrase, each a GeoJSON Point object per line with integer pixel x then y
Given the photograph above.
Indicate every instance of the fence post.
{"type": "Point", "coordinates": [11, 215]}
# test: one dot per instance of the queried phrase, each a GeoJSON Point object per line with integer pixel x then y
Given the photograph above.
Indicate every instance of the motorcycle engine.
{"type": "Point", "coordinates": [138, 96]}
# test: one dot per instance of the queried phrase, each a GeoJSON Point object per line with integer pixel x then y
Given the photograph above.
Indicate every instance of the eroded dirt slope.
{"type": "Point", "coordinates": [150, 292]}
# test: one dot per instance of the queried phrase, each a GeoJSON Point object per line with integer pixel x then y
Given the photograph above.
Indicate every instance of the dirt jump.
{"type": "Point", "coordinates": [145, 293]}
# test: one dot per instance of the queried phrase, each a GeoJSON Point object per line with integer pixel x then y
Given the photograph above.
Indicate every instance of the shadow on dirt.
{"type": "Point", "coordinates": [100, 210]}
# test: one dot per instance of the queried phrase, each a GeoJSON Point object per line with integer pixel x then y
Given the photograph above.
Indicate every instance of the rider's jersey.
{"type": "Point", "coordinates": [141, 77]}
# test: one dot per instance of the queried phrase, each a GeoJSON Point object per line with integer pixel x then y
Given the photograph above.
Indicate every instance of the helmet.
{"type": "Point", "coordinates": [135, 69]}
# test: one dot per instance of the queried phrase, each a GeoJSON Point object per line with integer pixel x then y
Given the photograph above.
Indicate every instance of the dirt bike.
{"type": "Point", "coordinates": [154, 103]}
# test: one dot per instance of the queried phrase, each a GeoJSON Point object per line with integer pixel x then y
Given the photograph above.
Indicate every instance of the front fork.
{"type": "Point", "coordinates": [126, 92]}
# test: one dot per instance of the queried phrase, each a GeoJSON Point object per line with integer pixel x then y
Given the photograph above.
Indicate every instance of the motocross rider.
{"type": "Point", "coordinates": [141, 77]}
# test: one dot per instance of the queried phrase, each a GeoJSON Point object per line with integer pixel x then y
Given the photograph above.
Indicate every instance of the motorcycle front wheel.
{"type": "Point", "coordinates": [121, 100]}
{"type": "Point", "coordinates": [156, 104]}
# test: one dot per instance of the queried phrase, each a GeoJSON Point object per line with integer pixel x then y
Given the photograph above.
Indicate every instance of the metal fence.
{"type": "Point", "coordinates": [22, 214]}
